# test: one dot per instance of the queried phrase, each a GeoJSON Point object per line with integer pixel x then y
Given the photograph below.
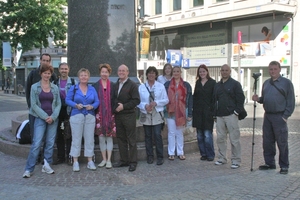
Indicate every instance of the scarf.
{"type": "Point", "coordinates": [105, 122]}
{"type": "Point", "coordinates": [177, 102]}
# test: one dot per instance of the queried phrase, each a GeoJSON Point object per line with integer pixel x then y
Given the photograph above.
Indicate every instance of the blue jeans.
{"type": "Point", "coordinates": [206, 143]}
{"type": "Point", "coordinates": [41, 130]}
{"type": "Point", "coordinates": [150, 131]}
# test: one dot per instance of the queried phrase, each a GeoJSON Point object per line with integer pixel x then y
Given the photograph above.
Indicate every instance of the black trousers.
{"type": "Point", "coordinates": [63, 146]}
{"type": "Point", "coordinates": [126, 137]}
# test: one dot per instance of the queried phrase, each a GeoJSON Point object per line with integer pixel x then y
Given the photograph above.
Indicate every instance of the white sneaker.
{"type": "Point", "coordinates": [76, 167]}
{"type": "Point", "coordinates": [46, 168]}
{"type": "Point", "coordinates": [219, 163]}
{"type": "Point", "coordinates": [235, 166]}
{"type": "Point", "coordinates": [102, 164]}
{"type": "Point", "coordinates": [91, 165]}
{"type": "Point", "coordinates": [26, 174]}
{"type": "Point", "coordinates": [108, 165]}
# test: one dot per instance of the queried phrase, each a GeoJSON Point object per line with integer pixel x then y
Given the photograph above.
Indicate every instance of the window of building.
{"type": "Point", "coordinates": [158, 8]}
{"type": "Point", "coordinates": [198, 3]}
{"type": "Point", "coordinates": [176, 5]}
{"type": "Point", "coordinates": [142, 8]}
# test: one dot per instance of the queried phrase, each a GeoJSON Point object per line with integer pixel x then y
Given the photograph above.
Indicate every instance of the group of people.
{"type": "Point", "coordinates": [101, 108]}
{"type": "Point", "coordinates": [108, 110]}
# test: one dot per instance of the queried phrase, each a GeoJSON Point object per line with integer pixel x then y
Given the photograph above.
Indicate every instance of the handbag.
{"type": "Point", "coordinates": [66, 129]}
{"type": "Point", "coordinates": [243, 114]}
{"type": "Point", "coordinates": [163, 123]}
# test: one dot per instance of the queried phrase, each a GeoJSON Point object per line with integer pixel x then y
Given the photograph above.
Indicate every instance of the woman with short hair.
{"type": "Point", "coordinates": [83, 99]}
{"type": "Point", "coordinates": [105, 118]}
{"type": "Point", "coordinates": [45, 107]}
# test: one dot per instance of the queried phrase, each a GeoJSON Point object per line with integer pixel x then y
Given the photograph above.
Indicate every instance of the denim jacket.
{"type": "Point", "coordinates": [36, 109]}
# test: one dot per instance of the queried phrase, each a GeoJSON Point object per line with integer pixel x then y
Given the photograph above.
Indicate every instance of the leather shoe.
{"type": "Point", "coordinates": [120, 164]}
{"type": "Point", "coordinates": [210, 159]}
{"type": "Point", "coordinates": [203, 158]}
{"type": "Point", "coordinates": [160, 161]}
{"type": "Point", "coordinates": [284, 171]}
{"type": "Point", "coordinates": [58, 161]}
{"type": "Point", "coordinates": [266, 167]}
{"type": "Point", "coordinates": [150, 160]}
{"type": "Point", "coordinates": [132, 168]}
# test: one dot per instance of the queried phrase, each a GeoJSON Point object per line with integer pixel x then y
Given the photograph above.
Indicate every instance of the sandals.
{"type": "Point", "coordinates": [171, 158]}
{"type": "Point", "coordinates": [181, 157]}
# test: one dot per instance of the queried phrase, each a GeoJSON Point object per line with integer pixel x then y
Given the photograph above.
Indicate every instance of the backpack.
{"type": "Point", "coordinates": [23, 133]}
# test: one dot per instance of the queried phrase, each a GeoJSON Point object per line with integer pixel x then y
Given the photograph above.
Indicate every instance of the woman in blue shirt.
{"type": "Point", "coordinates": [83, 99]}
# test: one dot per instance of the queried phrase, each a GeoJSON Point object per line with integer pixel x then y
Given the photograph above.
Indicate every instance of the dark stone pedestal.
{"type": "Point", "coordinates": [101, 32]}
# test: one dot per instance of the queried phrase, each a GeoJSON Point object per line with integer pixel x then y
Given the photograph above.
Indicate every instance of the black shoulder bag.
{"type": "Point", "coordinates": [243, 114]}
{"type": "Point", "coordinates": [66, 127]}
{"type": "Point", "coordinates": [163, 123]}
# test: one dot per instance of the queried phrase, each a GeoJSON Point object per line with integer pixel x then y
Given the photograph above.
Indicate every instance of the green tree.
{"type": "Point", "coordinates": [32, 22]}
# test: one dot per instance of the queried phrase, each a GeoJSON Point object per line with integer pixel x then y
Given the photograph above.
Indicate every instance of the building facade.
{"type": "Point", "coordinates": [206, 32]}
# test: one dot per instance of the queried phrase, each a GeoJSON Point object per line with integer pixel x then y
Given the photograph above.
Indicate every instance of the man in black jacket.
{"type": "Point", "coordinates": [127, 97]}
{"type": "Point", "coordinates": [34, 77]}
{"type": "Point", "coordinates": [229, 101]}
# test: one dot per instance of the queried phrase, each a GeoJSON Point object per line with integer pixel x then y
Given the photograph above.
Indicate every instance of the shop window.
{"type": "Point", "coordinates": [176, 5]}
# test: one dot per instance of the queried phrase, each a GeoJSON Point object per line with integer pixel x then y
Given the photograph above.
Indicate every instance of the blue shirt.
{"type": "Point", "coordinates": [77, 97]}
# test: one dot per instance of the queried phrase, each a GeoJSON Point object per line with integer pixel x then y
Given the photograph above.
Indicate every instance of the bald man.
{"type": "Point", "coordinates": [229, 101]}
{"type": "Point", "coordinates": [126, 100]}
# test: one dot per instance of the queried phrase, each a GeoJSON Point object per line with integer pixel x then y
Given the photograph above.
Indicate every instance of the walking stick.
{"type": "Point", "coordinates": [255, 76]}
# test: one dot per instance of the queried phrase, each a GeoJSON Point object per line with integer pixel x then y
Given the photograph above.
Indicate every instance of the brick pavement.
{"type": "Point", "coordinates": [189, 179]}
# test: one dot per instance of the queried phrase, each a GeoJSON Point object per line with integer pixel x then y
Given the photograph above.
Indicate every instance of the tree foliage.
{"type": "Point", "coordinates": [32, 22]}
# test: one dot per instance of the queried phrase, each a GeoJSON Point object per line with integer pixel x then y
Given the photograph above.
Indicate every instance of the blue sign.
{"type": "Point", "coordinates": [186, 63]}
{"type": "Point", "coordinates": [174, 57]}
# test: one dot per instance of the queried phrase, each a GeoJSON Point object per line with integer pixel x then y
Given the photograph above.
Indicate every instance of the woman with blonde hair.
{"type": "Point", "coordinates": [180, 101]}
{"type": "Point", "coordinates": [83, 99]}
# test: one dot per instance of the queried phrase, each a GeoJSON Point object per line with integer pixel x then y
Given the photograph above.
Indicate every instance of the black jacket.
{"type": "Point", "coordinates": [129, 96]}
{"type": "Point", "coordinates": [203, 105]}
{"type": "Point", "coordinates": [228, 97]}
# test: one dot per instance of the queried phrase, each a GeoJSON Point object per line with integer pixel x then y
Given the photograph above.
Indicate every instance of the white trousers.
{"type": "Point", "coordinates": [175, 138]}
{"type": "Point", "coordinates": [82, 125]}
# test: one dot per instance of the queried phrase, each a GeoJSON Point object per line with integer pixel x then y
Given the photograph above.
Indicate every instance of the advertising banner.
{"type": "Point", "coordinates": [144, 41]}
{"type": "Point", "coordinates": [6, 54]}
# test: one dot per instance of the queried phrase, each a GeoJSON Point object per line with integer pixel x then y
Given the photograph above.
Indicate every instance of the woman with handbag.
{"type": "Point", "coordinates": [203, 109]}
{"type": "Point", "coordinates": [105, 119]}
{"type": "Point", "coordinates": [83, 99]}
{"type": "Point", "coordinates": [45, 107]}
{"type": "Point", "coordinates": [153, 99]}
{"type": "Point", "coordinates": [179, 111]}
